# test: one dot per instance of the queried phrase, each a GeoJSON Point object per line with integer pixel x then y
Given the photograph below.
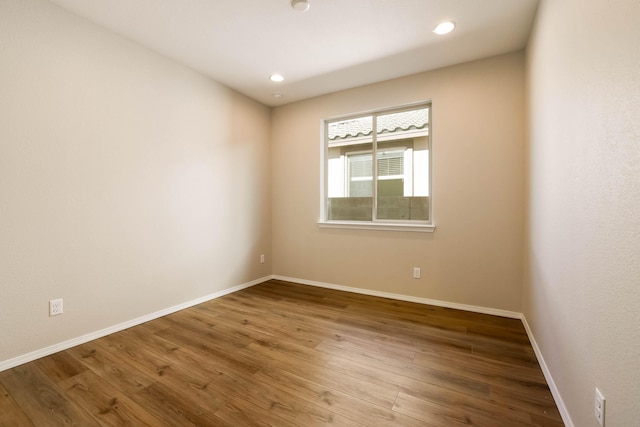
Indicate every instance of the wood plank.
{"type": "Point", "coordinates": [448, 415]}
{"type": "Point", "coordinates": [40, 398]}
{"type": "Point", "coordinates": [124, 377]}
{"type": "Point", "coordinates": [217, 352]}
{"type": "Point", "coordinates": [489, 371]}
{"type": "Point", "coordinates": [181, 373]}
{"type": "Point", "coordinates": [313, 416]}
{"type": "Point", "coordinates": [241, 412]}
{"type": "Point", "coordinates": [409, 369]}
{"type": "Point", "coordinates": [10, 413]}
{"type": "Point", "coordinates": [60, 366]}
{"type": "Point", "coordinates": [343, 404]}
{"type": "Point", "coordinates": [409, 382]}
{"type": "Point", "coordinates": [173, 408]}
{"type": "Point", "coordinates": [264, 324]}
{"type": "Point", "coordinates": [283, 354]}
{"type": "Point", "coordinates": [540, 404]}
{"type": "Point", "coordinates": [365, 390]}
{"type": "Point", "coordinates": [107, 404]}
{"type": "Point", "coordinates": [204, 382]}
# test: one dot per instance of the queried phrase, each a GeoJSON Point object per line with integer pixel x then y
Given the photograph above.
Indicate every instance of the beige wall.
{"type": "Point", "coordinates": [582, 282]}
{"type": "Point", "coordinates": [119, 189]}
{"type": "Point", "coordinates": [128, 183]}
{"type": "Point", "coordinates": [475, 254]}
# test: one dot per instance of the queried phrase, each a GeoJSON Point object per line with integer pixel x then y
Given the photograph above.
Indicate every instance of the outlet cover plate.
{"type": "Point", "coordinates": [55, 307]}
{"type": "Point", "coordinates": [599, 407]}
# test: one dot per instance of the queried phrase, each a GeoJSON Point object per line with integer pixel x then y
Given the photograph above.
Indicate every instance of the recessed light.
{"type": "Point", "coordinates": [277, 95]}
{"type": "Point", "coordinates": [300, 5]}
{"type": "Point", "coordinates": [444, 27]}
{"type": "Point", "coordinates": [276, 78]}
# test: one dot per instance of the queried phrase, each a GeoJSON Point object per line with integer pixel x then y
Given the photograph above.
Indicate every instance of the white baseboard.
{"type": "Point", "coordinates": [564, 413]}
{"type": "Point", "coordinates": [25, 358]}
{"type": "Point", "coordinates": [409, 298]}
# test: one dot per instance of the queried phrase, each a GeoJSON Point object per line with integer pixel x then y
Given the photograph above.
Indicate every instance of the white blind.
{"type": "Point", "coordinates": [360, 166]}
{"type": "Point", "coordinates": [389, 166]}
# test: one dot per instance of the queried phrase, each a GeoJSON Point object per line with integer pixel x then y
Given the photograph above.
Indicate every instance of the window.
{"type": "Point", "coordinates": [393, 190]}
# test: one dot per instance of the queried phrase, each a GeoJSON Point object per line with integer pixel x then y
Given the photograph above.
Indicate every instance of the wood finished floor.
{"type": "Point", "coordinates": [284, 354]}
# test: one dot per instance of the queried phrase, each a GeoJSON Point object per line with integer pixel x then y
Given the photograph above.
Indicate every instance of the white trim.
{"type": "Point", "coordinates": [366, 225]}
{"type": "Point", "coordinates": [564, 412]}
{"type": "Point", "coordinates": [324, 170]}
{"type": "Point", "coordinates": [409, 298]}
{"type": "Point", "coordinates": [29, 357]}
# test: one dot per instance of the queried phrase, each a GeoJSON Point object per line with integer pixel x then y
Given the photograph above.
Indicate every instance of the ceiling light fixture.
{"type": "Point", "coordinates": [278, 95]}
{"type": "Point", "coordinates": [276, 78]}
{"type": "Point", "coordinates": [300, 5]}
{"type": "Point", "coordinates": [444, 27]}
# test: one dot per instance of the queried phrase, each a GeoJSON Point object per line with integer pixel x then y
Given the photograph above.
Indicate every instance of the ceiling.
{"type": "Point", "coordinates": [335, 45]}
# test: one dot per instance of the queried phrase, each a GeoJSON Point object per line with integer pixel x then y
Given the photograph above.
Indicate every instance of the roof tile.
{"type": "Point", "coordinates": [387, 123]}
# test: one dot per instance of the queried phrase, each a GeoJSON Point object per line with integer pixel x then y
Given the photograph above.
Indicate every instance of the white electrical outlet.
{"type": "Point", "coordinates": [55, 307]}
{"type": "Point", "coordinates": [599, 407]}
{"type": "Point", "coordinates": [416, 272]}
{"type": "Point", "coordinates": [262, 259]}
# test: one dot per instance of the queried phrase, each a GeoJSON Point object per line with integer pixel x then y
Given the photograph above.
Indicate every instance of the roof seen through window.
{"type": "Point", "coordinates": [387, 123]}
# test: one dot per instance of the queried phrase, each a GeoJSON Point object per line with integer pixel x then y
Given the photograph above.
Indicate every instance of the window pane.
{"type": "Point", "coordinates": [350, 170]}
{"type": "Point", "coordinates": [403, 165]}
{"type": "Point", "coordinates": [360, 173]}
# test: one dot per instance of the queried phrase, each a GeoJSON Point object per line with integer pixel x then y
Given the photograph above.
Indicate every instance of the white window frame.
{"type": "Point", "coordinates": [375, 224]}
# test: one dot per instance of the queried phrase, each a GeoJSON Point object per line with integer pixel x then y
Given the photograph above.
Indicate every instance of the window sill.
{"type": "Point", "coordinates": [357, 225]}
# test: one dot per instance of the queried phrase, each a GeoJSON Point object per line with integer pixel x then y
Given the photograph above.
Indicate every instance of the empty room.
{"type": "Point", "coordinates": [193, 229]}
